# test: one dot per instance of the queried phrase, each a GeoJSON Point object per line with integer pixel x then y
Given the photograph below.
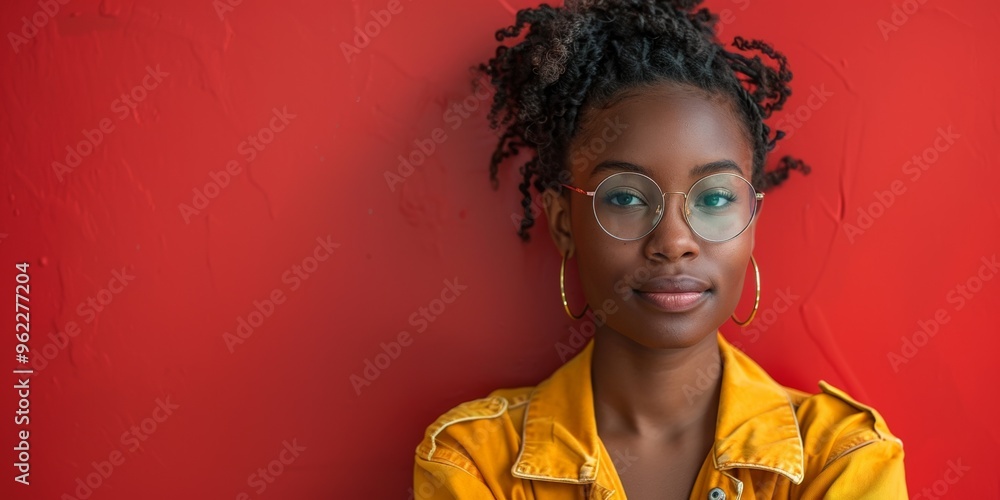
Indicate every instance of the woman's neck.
{"type": "Point", "coordinates": [654, 393]}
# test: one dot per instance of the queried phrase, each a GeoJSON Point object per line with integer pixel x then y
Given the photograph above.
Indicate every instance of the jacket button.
{"type": "Point", "coordinates": [716, 494]}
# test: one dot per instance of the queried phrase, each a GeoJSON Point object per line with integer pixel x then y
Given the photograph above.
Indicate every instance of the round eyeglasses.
{"type": "Point", "coordinates": [719, 207]}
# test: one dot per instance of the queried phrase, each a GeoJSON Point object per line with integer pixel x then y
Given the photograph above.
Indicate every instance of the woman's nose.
{"type": "Point", "coordinates": [672, 237]}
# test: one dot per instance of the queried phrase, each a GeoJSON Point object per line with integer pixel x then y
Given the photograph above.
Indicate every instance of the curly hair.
{"type": "Point", "coordinates": [590, 53]}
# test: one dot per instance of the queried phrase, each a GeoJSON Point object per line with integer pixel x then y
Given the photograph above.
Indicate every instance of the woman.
{"type": "Point", "coordinates": [649, 144]}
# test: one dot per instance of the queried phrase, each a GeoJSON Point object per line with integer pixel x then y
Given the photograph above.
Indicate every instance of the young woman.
{"type": "Point", "coordinates": [649, 143]}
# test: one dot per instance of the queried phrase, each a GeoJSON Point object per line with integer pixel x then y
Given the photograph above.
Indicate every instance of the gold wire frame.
{"type": "Point", "coordinates": [758, 198]}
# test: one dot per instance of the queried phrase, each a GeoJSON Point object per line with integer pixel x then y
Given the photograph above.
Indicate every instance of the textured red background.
{"type": "Point", "coordinates": [857, 296]}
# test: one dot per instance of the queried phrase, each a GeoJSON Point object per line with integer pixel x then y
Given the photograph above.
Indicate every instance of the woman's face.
{"type": "Point", "coordinates": [666, 132]}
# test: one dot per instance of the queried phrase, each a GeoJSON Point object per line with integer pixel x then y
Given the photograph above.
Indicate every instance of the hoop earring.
{"type": "Point", "coordinates": [756, 300]}
{"type": "Point", "coordinates": [562, 290]}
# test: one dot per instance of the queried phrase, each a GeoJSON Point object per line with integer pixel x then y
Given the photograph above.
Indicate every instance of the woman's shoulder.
{"type": "Point", "coordinates": [483, 426]}
{"type": "Point", "coordinates": [833, 424]}
{"type": "Point", "coordinates": [830, 423]}
{"type": "Point", "coordinates": [826, 444]}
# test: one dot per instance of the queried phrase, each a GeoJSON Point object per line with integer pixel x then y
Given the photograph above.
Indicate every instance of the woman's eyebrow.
{"type": "Point", "coordinates": [618, 166]}
{"type": "Point", "coordinates": [696, 171]}
{"type": "Point", "coordinates": [716, 166]}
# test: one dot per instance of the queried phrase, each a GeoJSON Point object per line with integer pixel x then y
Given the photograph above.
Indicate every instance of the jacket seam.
{"type": "Point", "coordinates": [447, 463]}
{"type": "Point", "coordinates": [854, 445]}
{"type": "Point", "coordinates": [454, 457]}
{"type": "Point", "coordinates": [518, 404]}
{"type": "Point", "coordinates": [857, 438]}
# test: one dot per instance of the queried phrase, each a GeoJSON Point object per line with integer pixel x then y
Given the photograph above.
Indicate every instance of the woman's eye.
{"type": "Point", "coordinates": [624, 198]}
{"type": "Point", "coordinates": [716, 199]}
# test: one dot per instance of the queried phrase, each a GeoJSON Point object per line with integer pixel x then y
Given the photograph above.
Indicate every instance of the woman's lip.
{"type": "Point", "coordinates": [673, 302]}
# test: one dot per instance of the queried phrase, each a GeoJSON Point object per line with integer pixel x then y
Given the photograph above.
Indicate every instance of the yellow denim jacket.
{"type": "Point", "coordinates": [771, 442]}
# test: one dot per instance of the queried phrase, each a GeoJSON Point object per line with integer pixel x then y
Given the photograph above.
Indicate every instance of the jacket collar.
{"type": "Point", "coordinates": [757, 426]}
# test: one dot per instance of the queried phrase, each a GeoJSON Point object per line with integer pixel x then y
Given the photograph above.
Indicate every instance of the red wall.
{"type": "Point", "coordinates": [135, 301]}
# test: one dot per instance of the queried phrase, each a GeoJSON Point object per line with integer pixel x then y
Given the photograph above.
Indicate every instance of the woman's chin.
{"type": "Point", "coordinates": [673, 336]}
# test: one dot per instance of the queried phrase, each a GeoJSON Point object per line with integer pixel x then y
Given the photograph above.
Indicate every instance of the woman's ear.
{"type": "Point", "coordinates": [558, 215]}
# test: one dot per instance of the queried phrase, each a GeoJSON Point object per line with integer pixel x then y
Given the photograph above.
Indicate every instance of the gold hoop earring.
{"type": "Point", "coordinates": [756, 300]}
{"type": "Point", "coordinates": [562, 290]}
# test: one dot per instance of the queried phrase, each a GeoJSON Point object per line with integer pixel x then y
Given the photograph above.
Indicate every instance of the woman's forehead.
{"type": "Point", "coordinates": [666, 131]}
